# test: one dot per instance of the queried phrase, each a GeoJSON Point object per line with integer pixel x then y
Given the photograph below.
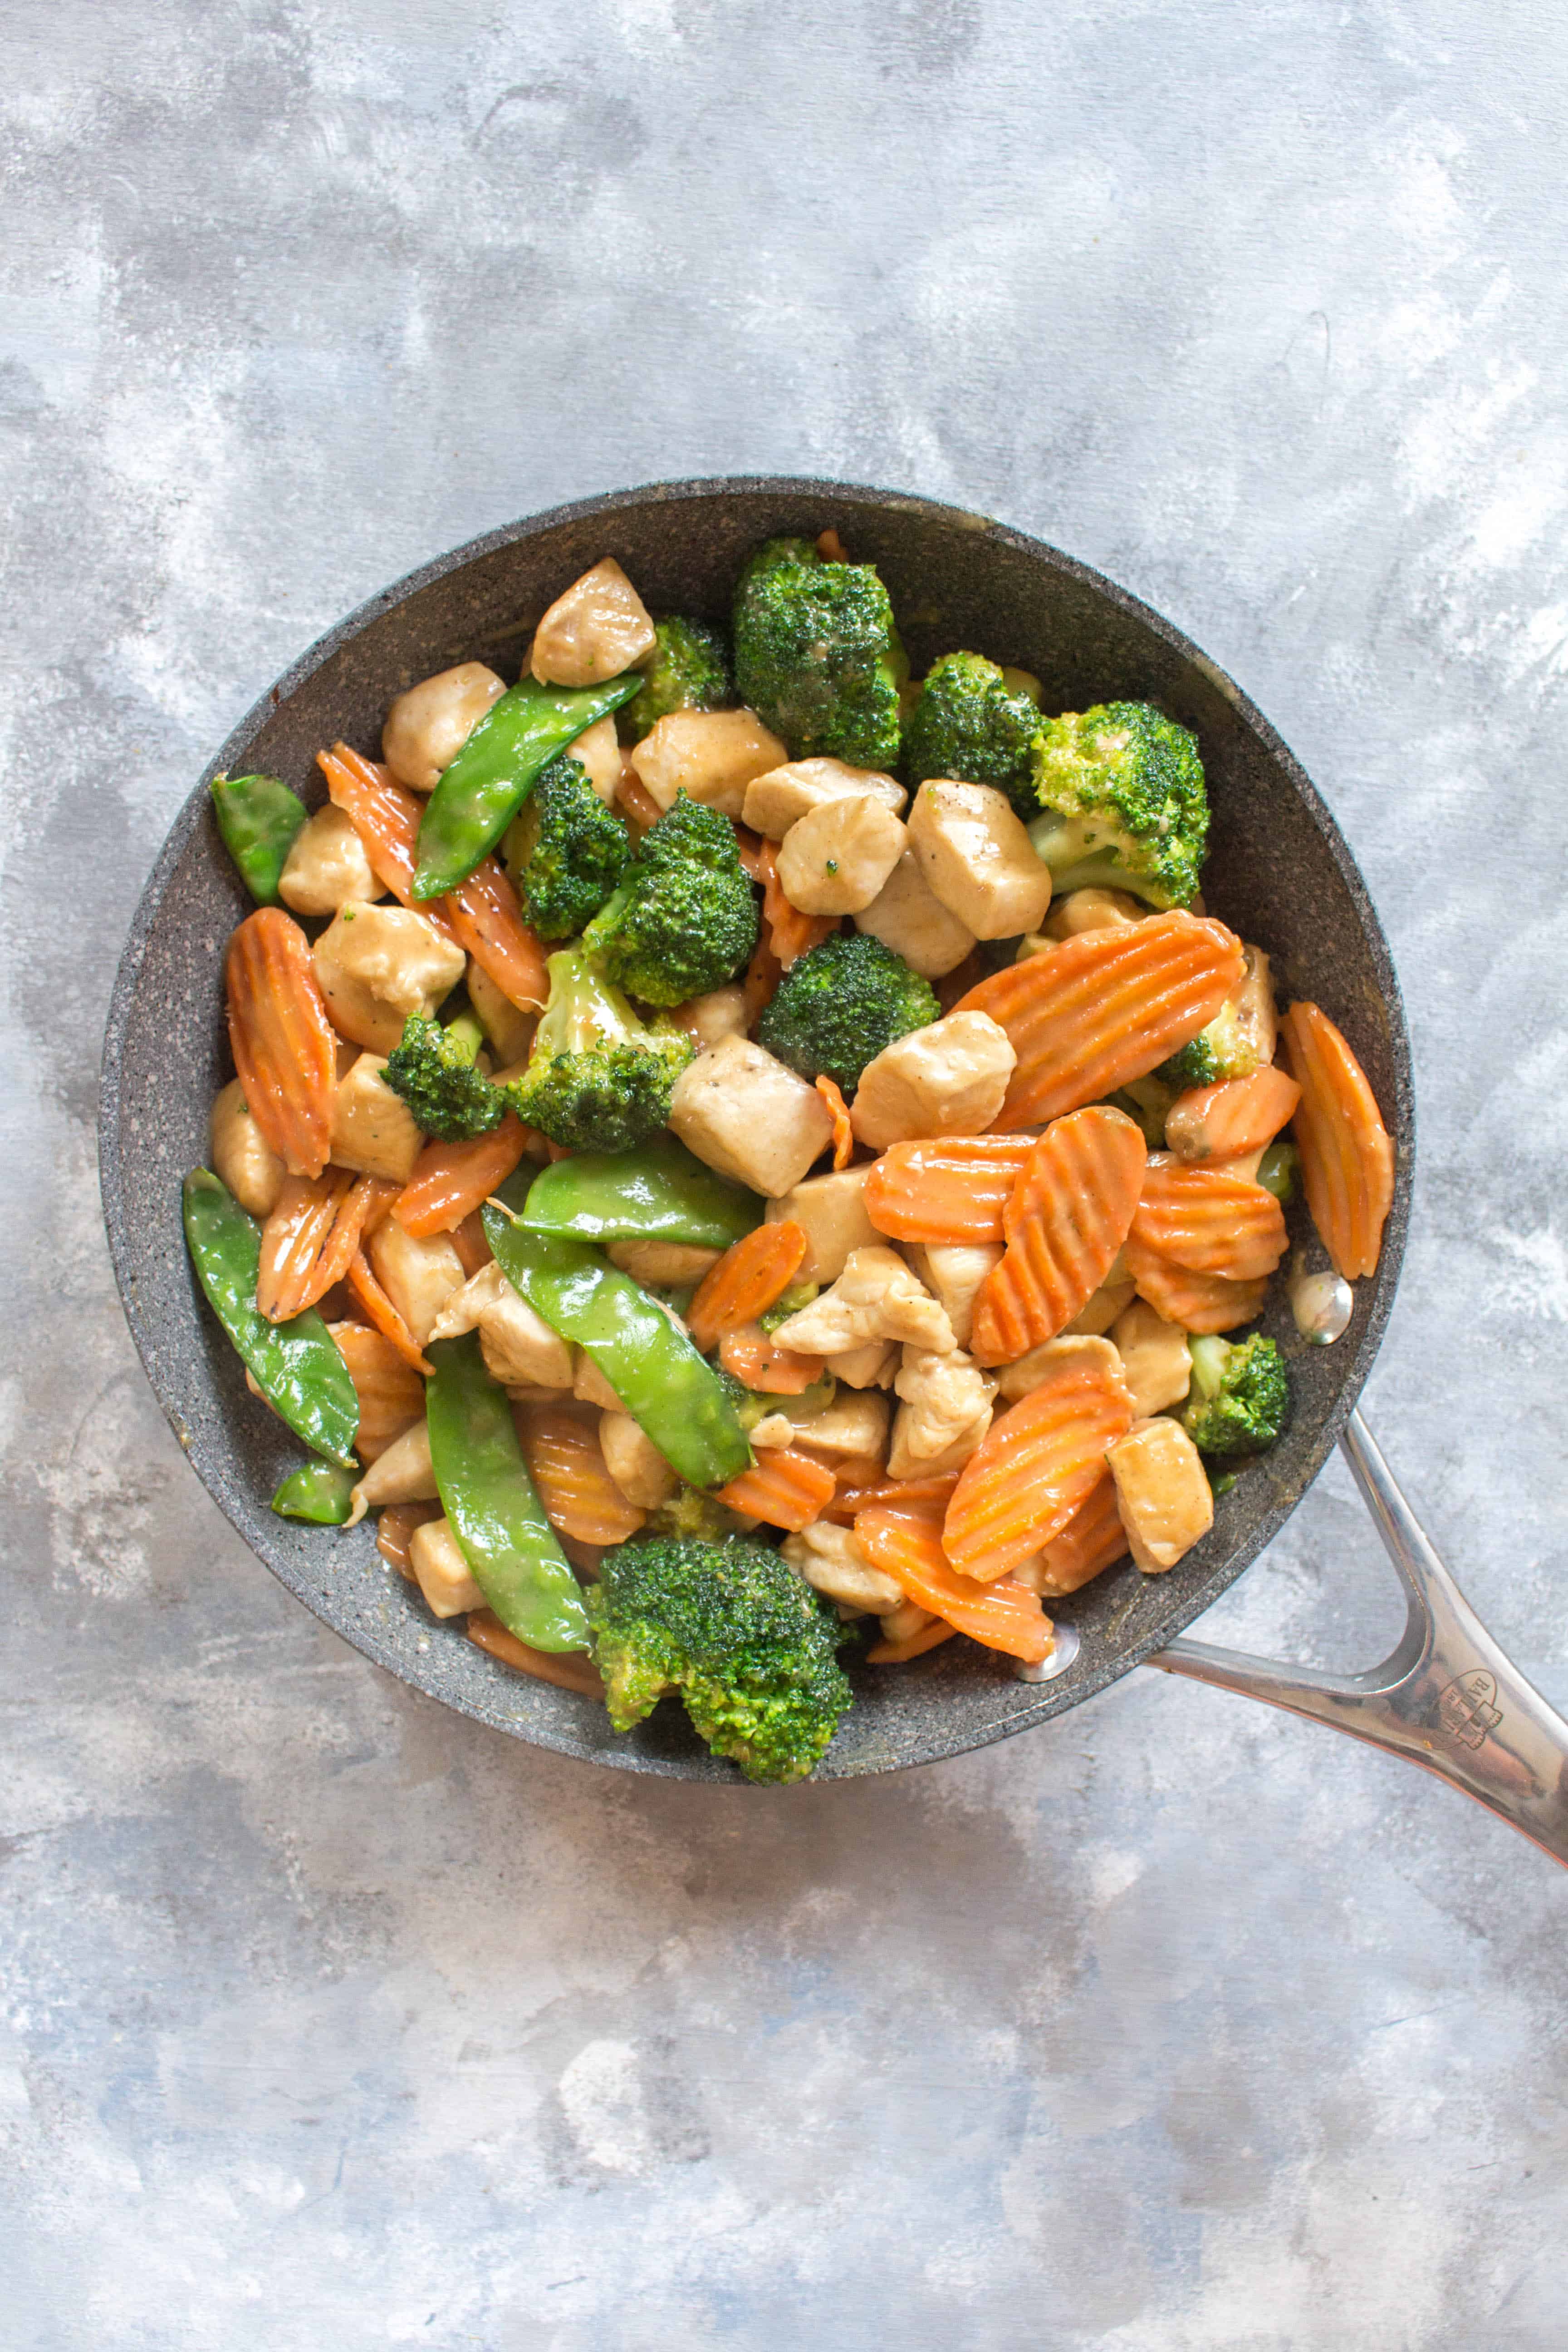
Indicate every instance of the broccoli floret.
{"type": "Point", "coordinates": [692, 1515]}
{"type": "Point", "coordinates": [432, 1070]}
{"type": "Point", "coordinates": [566, 850]}
{"type": "Point", "coordinates": [689, 670]}
{"type": "Point", "coordinates": [816, 654]}
{"type": "Point", "coordinates": [840, 1004]}
{"type": "Point", "coordinates": [969, 725]}
{"type": "Point", "coordinates": [1223, 1050]}
{"type": "Point", "coordinates": [684, 917]}
{"type": "Point", "coordinates": [1125, 808]}
{"type": "Point", "coordinates": [797, 1297]}
{"type": "Point", "coordinates": [1240, 1395]}
{"type": "Point", "coordinates": [745, 1642]}
{"type": "Point", "coordinates": [598, 1079]}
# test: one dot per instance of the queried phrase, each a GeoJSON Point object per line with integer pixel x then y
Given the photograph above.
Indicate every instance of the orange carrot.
{"type": "Point", "coordinates": [284, 1048]}
{"type": "Point", "coordinates": [910, 1497]}
{"type": "Point", "coordinates": [391, 1394]}
{"type": "Point", "coordinates": [763, 974]}
{"type": "Point", "coordinates": [786, 1488]}
{"type": "Point", "coordinates": [568, 1669]}
{"type": "Point", "coordinates": [310, 1236]}
{"type": "Point", "coordinates": [1208, 1221]}
{"type": "Point", "coordinates": [1037, 1465]}
{"type": "Point", "coordinates": [1104, 1008]}
{"type": "Point", "coordinates": [749, 845]}
{"type": "Point", "coordinates": [383, 1314]}
{"type": "Point", "coordinates": [1347, 1153]}
{"type": "Point", "coordinates": [752, 1274]}
{"type": "Point", "coordinates": [386, 818]}
{"type": "Point", "coordinates": [451, 1180]}
{"type": "Point", "coordinates": [1092, 1540]}
{"type": "Point", "coordinates": [637, 801]}
{"type": "Point", "coordinates": [1200, 1303]}
{"type": "Point", "coordinates": [789, 932]}
{"type": "Point", "coordinates": [486, 914]}
{"type": "Point", "coordinates": [579, 1494]}
{"type": "Point", "coordinates": [1065, 1220]}
{"type": "Point", "coordinates": [1001, 1614]}
{"type": "Point", "coordinates": [954, 1189]}
{"type": "Point", "coordinates": [843, 1133]}
{"type": "Point", "coordinates": [913, 1645]}
{"type": "Point", "coordinates": [750, 1356]}
{"type": "Point", "coordinates": [468, 1240]}
{"type": "Point", "coordinates": [394, 1528]}
{"type": "Point", "coordinates": [1238, 1116]}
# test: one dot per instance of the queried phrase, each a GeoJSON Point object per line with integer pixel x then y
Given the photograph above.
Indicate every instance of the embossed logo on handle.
{"type": "Point", "coordinates": [1465, 1709]}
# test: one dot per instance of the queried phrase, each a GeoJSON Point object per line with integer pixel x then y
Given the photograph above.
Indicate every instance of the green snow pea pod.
{"type": "Point", "coordinates": [491, 1505]}
{"type": "Point", "coordinates": [661, 1193]}
{"type": "Point", "coordinates": [654, 1368]}
{"type": "Point", "coordinates": [318, 1491]}
{"type": "Point", "coordinates": [478, 795]}
{"type": "Point", "coordinates": [258, 817]}
{"type": "Point", "coordinates": [296, 1365]}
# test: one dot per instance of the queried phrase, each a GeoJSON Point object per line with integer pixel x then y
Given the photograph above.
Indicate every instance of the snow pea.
{"type": "Point", "coordinates": [258, 817]}
{"type": "Point", "coordinates": [478, 795]}
{"type": "Point", "coordinates": [652, 1366]}
{"type": "Point", "coordinates": [296, 1365]}
{"type": "Point", "coordinates": [318, 1491]}
{"type": "Point", "coordinates": [661, 1193]}
{"type": "Point", "coordinates": [491, 1505]}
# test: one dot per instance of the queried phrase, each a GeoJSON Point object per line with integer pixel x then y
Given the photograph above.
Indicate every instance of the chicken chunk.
{"type": "Point", "coordinates": [953, 1273]}
{"type": "Point", "coordinates": [427, 727]}
{"type": "Point", "coordinates": [831, 1212]}
{"type": "Point", "coordinates": [1161, 1493]}
{"type": "Point", "coordinates": [518, 1347]}
{"type": "Point", "coordinates": [374, 1130]}
{"type": "Point", "coordinates": [1093, 910]}
{"type": "Point", "coordinates": [946, 1412]}
{"type": "Point", "coordinates": [663, 1264]}
{"type": "Point", "coordinates": [784, 796]}
{"type": "Point", "coordinates": [1156, 1361]}
{"type": "Point", "coordinates": [877, 1297]}
{"type": "Point", "coordinates": [1015, 1381]}
{"type": "Point", "coordinates": [375, 965]}
{"type": "Point", "coordinates": [835, 1560]}
{"type": "Point", "coordinates": [1255, 1015]}
{"type": "Point", "coordinates": [400, 1473]}
{"type": "Point", "coordinates": [326, 866]}
{"type": "Point", "coordinates": [978, 858]}
{"type": "Point", "coordinates": [241, 1154]}
{"type": "Point", "coordinates": [589, 1385]}
{"type": "Point", "coordinates": [508, 1029]}
{"type": "Point", "coordinates": [635, 1462]}
{"type": "Point", "coordinates": [1099, 1311]}
{"type": "Point", "coordinates": [419, 1274]}
{"type": "Point", "coordinates": [948, 1078]}
{"type": "Point", "coordinates": [595, 630]}
{"type": "Point", "coordinates": [907, 915]}
{"type": "Point", "coordinates": [442, 1573]}
{"type": "Point", "coordinates": [709, 755]}
{"type": "Point", "coordinates": [707, 1020]}
{"type": "Point", "coordinates": [597, 750]}
{"type": "Point", "coordinates": [838, 858]}
{"type": "Point", "coordinates": [744, 1113]}
{"type": "Point", "coordinates": [872, 1365]}
{"type": "Point", "coordinates": [854, 1424]}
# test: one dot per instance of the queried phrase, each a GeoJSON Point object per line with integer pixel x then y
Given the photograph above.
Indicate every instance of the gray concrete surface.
{"type": "Point", "coordinates": [332, 2020]}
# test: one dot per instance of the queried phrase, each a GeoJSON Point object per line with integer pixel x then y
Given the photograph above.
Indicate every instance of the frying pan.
{"type": "Point", "coordinates": [1279, 873]}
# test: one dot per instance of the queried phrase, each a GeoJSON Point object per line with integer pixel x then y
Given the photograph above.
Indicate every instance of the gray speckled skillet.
{"type": "Point", "coordinates": [1279, 873]}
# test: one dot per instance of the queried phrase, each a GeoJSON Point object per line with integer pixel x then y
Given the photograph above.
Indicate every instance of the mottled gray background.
{"type": "Point", "coordinates": [333, 2020]}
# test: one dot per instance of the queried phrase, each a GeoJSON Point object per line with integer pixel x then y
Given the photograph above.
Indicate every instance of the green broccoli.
{"type": "Point", "coordinates": [1224, 1050]}
{"type": "Point", "coordinates": [799, 1296]}
{"type": "Point", "coordinates": [968, 724]}
{"type": "Point", "coordinates": [817, 656]}
{"type": "Point", "coordinates": [689, 670]}
{"type": "Point", "coordinates": [1240, 1395]}
{"type": "Point", "coordinates": [1125, 808]}
{"type": "Point", "coordinates": [694, 1515]}
{"type": "Point", "coordinates": [598, 1079]}
{"type": "Point", "coordinates": [684, 917]}
{"type": "Point", "coordinates": [566, 850]}
{"type": "Point", "coordinates": [751, 1406]}
{"type": "Point", "coordinates": [432, 1071]}
{"type": "Point", "coordinates": [840, 1004]}
{"type": "Point", "coordinates": [746, 1643]}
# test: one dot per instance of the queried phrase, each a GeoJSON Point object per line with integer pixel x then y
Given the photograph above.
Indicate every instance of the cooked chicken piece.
{"type": "Point", "coordinates": [326, 866]}
{"type": "Point", "coordinates": [838, 857]}
{"type": "Point", "coordinates": [400, 1473]}
{"type": "Point", "coordinates": [978, 858]}
{"type": "Point", "coordinates": [1161, 1493]}
{"type": "Point", "coordinates": [855, 1424]}
{"type": "Point", "coordinates": [948, 1078]}
{"type": "Point", "coordinates": [635, 1462]}
{"type": "Point", "coordinates": [518, 1347]}
{"type": "Point", "coordinates": [833, 1560]}
{"type": "Point", "coordinates": [781, 798]}
{"type": "Point", "coordinates": [598, 751]}
{"type": "Point", "coordinates": [901, 1464]}
{"type": "Point", "coordinates": [597, 628]}
{"type": "Point", "coordinates": [1255, 1011]}
{"type": "Point", "coordinates": [902, 1625]}
{"type": "Point", "coordinates": [1093, 910]}
{"type": "Point", "coordinates": [907, 915]}
{"type": "Point", "coordinates": [707, 1020]}
{"type": "Point", "coordinates": [508, 1027]}
{"type": "Point", "coordinates": [1015, 1381]}
{"type": "Point", "coordinates": [442, 1573]}
{"type": "Point", "coordinates": [374, 1130]}
{"type": "Point", "coordinates": [953, 1273]}
{"type": "Point", "coordinates": [241, 1154]}
{"type": "Point", "coordinates": [375, 965]}
{"type": "Point", "coordinates": [590, 1386]}
{"type": "Point", "coordinates": [711, 755]}
{"type": "Point", "coordinates": [946, 1406]}
{"type": "Point", "coordinates": [877, 1297]}
{"type": "Point", "coordinates": [1097, 1315]}
{"type": "Point", "coordinates": [427, 727]}
{"type": "Point", "coordinates": [871, 1365]}
{"type": "Point", "coordinates": [746, 1115]}
{"type": "Point", "coordinates": [831, 1212]}
{"type": "Point", "coordinates": [419, 1275]}
{"type": "Point", "coordinates": [664, 1264]}
{"type": "Point", "coordinates": [1155, 1362]}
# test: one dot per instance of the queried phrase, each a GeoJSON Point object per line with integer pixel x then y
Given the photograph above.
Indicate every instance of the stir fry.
{"type": "Point", "coordinates": [747, 1162]}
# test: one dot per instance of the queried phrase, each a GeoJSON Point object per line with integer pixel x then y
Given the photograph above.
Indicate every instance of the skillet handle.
{"type": "Point", "coordinates": [1447, 1698]}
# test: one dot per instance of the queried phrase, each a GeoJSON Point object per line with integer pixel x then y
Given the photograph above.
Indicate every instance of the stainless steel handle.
{"type": "Point", "coordinates": [1447, 1696]}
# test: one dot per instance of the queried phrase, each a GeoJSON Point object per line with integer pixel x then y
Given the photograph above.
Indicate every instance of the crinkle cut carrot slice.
{"type": "Point", "coordinates": [1209, 1222]}
{"type": "Point", "coordinates": [953, 1189]}
{"type": "Point", "coordinates": [1092, 1540]}
{"type": "Point", "coordinates": [750, 1356]}
{"type": "Point", "coordinates": [1066, 1218]}
{"type": "Point", "coordinates": [362, 1281]}
{"type": "Point", "coordinates": [1347, 1153]}
{"type": "Point", "coordinates": [486, 913]}
{"type": "Point", "coordinates": [789, 932]}
{"type": "Point", "coordinates": [1037, 1465]}
{"type": "Point", "coordinates": [752, 1274]}
{"type": "Point", "coordinates": [1001, 1614]}
{"type": "Point", "coordinates": [786, 1488]}
{"type": "Point", "coordinates": [914, 1646]}
{"type": "Point", "coordinates": [837, 1110]}
{"type": "Point", "coordinates": [1104, 1008]}
{"type": "Point", "coordinates": [579, 1495]}
{"type": "Point", "coordinates": [310, 1237]}
{"type": "Point", "coordinates": [386, 818]}
{"type": "Point", "coordinates": [1238, 1116]}
{"type": "Point", "coordinates": [284, 1048]}
{"type": "Point", "coordinates": [914, 1498]}
{"type": "Point", "coordinates": [451, 1181]}
{"type": "Point", "coordinates": [563, 1668]}
{"type": "Point", "coordinates": [391, 1394]}
{"type": "Point", "coordinates": [1200, 1303]}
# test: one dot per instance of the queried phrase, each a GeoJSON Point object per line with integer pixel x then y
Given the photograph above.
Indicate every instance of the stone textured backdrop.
{"type": "Point", "coordinates": [331, 2020]}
